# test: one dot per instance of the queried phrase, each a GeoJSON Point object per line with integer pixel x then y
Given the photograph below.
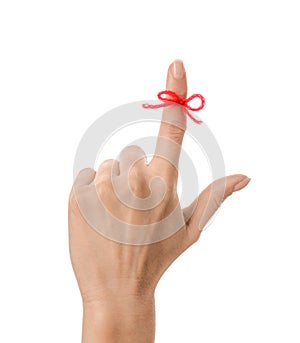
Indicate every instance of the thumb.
{"type": "Point", "coordinates": [209, 200]}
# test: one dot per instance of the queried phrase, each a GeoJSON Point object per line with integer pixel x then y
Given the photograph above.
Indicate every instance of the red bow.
{"type": "Point", "coordinates": [172, 97]}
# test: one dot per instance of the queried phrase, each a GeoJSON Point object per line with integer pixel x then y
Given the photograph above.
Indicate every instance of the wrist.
{"type": "Point", "coordinates": [122, 318]}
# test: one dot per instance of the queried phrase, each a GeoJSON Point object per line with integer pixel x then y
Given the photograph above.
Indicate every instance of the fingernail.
{"type": "Point", "coordinates": [241, 184]}
{"type": "Point", "coordinates": [178, 69]}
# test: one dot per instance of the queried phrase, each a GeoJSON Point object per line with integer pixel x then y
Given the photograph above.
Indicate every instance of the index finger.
{"type": "Point", "coordinates": [173, 122]}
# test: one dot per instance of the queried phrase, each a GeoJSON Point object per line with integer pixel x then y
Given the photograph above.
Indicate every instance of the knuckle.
{"type": "Point", "coordinates": [216, 193]}
{"type": "Point", "coordinates": [174, 132]}
{"type": "Point", "coordinates": [132, 149]}
{"type": "Point", "coordinates": [104, 174]}
{"type": "Point", "coordinates": [107, 164]}
{"type": "Point", "coordinates": [138, 182]}
{"type": "Point", "coordinates": [136, 172]}
{"type": "Point", "coordinates": [72, 198]}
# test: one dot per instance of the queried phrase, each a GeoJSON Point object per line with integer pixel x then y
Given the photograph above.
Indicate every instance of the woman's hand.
{"type": "Point", "coordinates": [117, 280]}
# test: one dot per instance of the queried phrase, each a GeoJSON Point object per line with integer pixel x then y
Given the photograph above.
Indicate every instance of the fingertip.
{"type": "Point", "coordinates": [242, 183]}
{"type": "Point", "coordinates": [176, 78]}
{"type": "Point", "coordinates": [178, 70]}
{"type": "Point", "coordinates": [85, 177]}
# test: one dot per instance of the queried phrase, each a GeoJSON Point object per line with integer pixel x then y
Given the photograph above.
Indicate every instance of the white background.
{"type": "Point", "coordinates": [62, 65]}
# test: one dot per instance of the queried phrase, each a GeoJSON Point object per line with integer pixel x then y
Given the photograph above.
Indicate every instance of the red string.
{"type": "Point", "coordinates": [170, 97]}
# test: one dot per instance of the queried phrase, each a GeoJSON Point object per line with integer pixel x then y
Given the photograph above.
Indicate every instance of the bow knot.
{"type": "Point", "coordinates": [168, 97]}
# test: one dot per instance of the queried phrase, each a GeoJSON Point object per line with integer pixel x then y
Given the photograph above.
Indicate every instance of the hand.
{"type": "Point", "coordinates": [117, 281]}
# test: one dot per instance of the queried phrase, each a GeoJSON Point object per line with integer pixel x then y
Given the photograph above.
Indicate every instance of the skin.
{"type": "Point", "coordinates": [117, 281]}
